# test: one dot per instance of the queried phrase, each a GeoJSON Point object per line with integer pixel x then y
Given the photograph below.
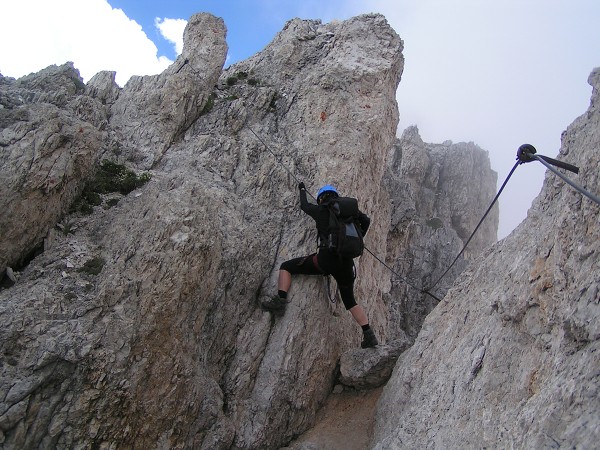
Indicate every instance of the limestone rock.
{"type": "Point", "coordinates": [153, 112]}
{"type": "Point", "coordinates": [439, 193]}
{"type": "Point", "coordinates": [164, 344]}
{"type": "Point", "coordinates": [103, 87]}
{"type": "Point", "coordinates": [510, 358]}
{"type": "Point", "coordinates": [51, 137]}
{"type": "Point", "coordinates": [139, 326]}
{"type": "Point", "coordinates": [370, 367]}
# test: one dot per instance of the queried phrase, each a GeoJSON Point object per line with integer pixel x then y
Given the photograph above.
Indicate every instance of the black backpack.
{"type": "Point", "coordinates": [344, 234]}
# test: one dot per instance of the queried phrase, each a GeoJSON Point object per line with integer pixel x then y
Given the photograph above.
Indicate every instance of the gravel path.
{"type": "Point", "coordinates": [344, 423]}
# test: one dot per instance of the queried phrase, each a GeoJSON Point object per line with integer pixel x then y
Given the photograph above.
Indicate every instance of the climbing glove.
{"type": "Point", "coordinates": [301, 186]}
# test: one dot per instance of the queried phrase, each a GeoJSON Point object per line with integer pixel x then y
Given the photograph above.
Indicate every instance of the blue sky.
{"type": "Point", "coordinates": [498, 73]}
{"type": "Point", "coordinates": [251, 25]}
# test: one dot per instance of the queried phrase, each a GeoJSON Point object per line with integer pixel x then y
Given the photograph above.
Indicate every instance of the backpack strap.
{"type": "Point", "coordinates": [328, 240]}
{"type": "Point", "coordinates": [334, 224]}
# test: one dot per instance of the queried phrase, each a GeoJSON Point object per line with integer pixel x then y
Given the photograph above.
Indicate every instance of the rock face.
{"type": "Point", "coordinates": [153, 112]}
{"type": "Point", "coordinates": [50, 135]}
{"type": "Point", "coordinates": [438, 194]}
{"type": "Point", "coordinates": [510, 358]}
{"type": "Point", "coordinates": [139, 326]}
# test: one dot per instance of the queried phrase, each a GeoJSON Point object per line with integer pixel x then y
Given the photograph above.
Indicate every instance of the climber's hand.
{"type": "Point", "coordinates": [301, 186]}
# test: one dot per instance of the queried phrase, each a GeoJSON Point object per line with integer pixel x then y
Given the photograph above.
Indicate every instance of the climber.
{"type": "Point", "coordinates": [325, 262]}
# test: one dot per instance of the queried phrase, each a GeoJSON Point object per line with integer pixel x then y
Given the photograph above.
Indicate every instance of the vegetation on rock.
{"type": "Point", "coordinates": [110, 178]}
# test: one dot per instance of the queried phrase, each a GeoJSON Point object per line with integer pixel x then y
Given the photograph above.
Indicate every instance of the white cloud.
{"type": "Point", "coordinates": [38, 33]}
{"type": "Point", "coordinates": [172, 30]}
{"type": "Point", "coordinates": [499, 74]}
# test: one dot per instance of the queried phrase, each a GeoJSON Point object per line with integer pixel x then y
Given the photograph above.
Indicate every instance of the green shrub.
{"type": "Point", "coordinates": [208, 106]}
{"type": "Point", "coordinates": [273, 103]}
{"type": "Point", "coordinates": [70, 296]}
{"type": "Point", "coordinates": [110, 177]}
{"type": "Point", "coordinates": [111, 202]}
{"type": "Point", "coordinates": [86, 201]}
{"type": "Point", "coordinates": [93, 266]}
{"type": "Point", "coordinates": [113, 177]}
{"type": "Point", "coordinates": [435, 223]}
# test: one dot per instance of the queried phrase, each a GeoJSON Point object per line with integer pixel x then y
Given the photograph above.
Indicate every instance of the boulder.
{"type": "Point", "coordinates": [370, 368]}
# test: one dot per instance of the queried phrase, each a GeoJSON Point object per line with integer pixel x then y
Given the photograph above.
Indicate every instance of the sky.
{"type": "Point", "coordinates": [497, 73]}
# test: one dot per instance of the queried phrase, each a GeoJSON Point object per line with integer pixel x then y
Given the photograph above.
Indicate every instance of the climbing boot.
{"type": "Point", "coordinates": [274, 304]}
{"type": "Point", "coordinates": [369, 339]}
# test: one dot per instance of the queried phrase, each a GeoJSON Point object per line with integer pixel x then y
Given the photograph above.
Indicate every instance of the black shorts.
{"type": "Point", "coordinates": [327, 263]}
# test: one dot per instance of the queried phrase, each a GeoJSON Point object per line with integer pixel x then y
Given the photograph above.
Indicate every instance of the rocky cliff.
{"type": "Point", "coordinates": [510, 357]}
{"type": "Point", "coordinates": [438, 194]}
{"type": "Point", "coordinates": [140, 226]}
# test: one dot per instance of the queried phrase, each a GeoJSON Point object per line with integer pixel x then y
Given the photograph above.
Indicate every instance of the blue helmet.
{"type": "Point", "coordinates": [327, 188]}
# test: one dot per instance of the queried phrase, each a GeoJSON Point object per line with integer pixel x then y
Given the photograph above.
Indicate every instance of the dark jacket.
{"type": "Point", "coordinates": [320, 213]}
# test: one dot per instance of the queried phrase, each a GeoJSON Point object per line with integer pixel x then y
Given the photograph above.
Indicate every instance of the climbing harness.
{"type": "Point", "coordinates": [526, 153]}
{"type": "Point", "coordinates": [331, 297]}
